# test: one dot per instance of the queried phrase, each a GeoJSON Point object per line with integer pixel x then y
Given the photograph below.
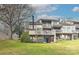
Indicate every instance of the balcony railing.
{"type": "Point", "coordinates": [52, 32]}
{"type": "Point", "coordinates": [46, 25]}
{"type": "Point", "coordinates": [60, 31]}
{"type": "Point", "coordinates": [56, 25]}
{"type": "Point", "coordinates": [33, 32]}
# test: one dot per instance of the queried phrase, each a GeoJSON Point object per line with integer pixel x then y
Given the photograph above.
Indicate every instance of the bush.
{"type": "Point", "coordinates": [25, 37]}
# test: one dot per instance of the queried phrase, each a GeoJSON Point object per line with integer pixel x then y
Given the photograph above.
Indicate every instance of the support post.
{"type": "Point", "coordinates": [72, 37]}
{"type": "Point", "coordinates": [55, 38]}
{"type": "Point", "coordinates": [32, 38]}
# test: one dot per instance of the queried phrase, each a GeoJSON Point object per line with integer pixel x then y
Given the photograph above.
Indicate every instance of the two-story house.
{"type": "Point", "coordinates": [50, 30]}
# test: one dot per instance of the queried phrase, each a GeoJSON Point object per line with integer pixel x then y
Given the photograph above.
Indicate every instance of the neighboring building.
{"type": "Point", "coordinates": [50, 30]}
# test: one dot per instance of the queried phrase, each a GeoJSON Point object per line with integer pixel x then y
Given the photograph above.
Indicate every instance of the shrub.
{"type": "Point", "coordinates": [25, 37]}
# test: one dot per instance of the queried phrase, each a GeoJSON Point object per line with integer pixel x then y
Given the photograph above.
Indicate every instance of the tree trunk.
{"type": "Point", "coordinates": [11, 33]}
{"type": "Point", "coordinates": [19, 33]}
{"type": "Point", "coordinates": [19, 28]}
{"type": "Point", "coordinates": [19, 25]}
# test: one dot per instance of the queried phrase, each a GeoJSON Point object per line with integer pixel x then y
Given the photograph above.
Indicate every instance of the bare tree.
{"type": "Point", "coordinates": [23, 13]}
{"type": "Point", "coordinates": [12, 14]}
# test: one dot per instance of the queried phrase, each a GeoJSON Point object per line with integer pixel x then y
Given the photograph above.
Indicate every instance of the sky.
{"type": "Point", "coordinates": [59, 10]}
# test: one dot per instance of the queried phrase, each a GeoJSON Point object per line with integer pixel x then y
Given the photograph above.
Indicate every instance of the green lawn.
{"type": "Point", "coordinates": [15, 47]}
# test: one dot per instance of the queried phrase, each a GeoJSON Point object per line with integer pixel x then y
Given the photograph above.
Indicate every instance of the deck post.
{"type": "Point", "coordinates": [55, 38]}
{"type": "Point", "coordinates": [72, 37]}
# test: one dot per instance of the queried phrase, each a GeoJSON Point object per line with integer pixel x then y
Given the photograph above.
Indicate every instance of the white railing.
{"type": "Point", "coordinates": [33, 32]}
{"type": "Point", "coordinates": [56, 25]}
{"type": "Point", "coordinates": [46, 25]}
{"type": "Point", "coordinates": [52, 32]}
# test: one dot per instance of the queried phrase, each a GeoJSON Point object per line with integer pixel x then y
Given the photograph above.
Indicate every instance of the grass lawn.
{"type": "Point", "coordinates": [15, 47]}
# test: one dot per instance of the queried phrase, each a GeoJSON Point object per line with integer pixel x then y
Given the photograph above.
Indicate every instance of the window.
{"type": "Point", "coordinates": [38, 30]}
{"type": "Point", "coordinates": [68, 27]}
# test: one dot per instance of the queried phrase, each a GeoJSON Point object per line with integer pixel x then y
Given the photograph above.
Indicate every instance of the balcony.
{"type": "Point", "coordinates": [70, 31]}
{"type": "Point", "coordinates": [46, 25]}
{"type": "Point", "coordinates": [61, 31]}
{"type": "Point", "coordinates": [33, 32]}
